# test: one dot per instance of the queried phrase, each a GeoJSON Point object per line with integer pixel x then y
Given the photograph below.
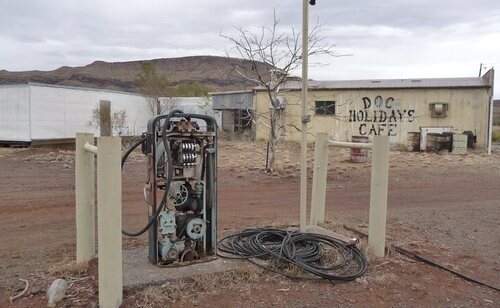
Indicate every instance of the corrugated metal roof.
{"type": "Point", "coordinates": [230, 92]}
{"type": "Point", "coordinates": [468, 82]}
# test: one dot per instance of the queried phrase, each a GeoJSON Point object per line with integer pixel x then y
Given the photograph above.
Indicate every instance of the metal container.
{"type": "Point", "coordinates": [431, 145]}
{"type": "Point", "coordinates": [413, 144]}
{"type": "Point", "coordinates": [359, 155]}
{"type": "Point", "coordinates": [459, 144]}
{"type": "Point", "coordinates": [471, 139]}
{"type": "Point", "coordinates": [438, 142]}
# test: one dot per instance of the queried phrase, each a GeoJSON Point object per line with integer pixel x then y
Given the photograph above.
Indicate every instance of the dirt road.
{"type": "Point", "coordinates": [447, 207]}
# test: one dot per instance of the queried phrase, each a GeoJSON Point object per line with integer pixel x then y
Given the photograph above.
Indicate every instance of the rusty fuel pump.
{"type": "Point", "coordinates": [181, 187]}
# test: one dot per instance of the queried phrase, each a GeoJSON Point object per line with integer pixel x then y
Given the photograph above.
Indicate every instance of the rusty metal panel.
{"type": "Point", "coordinates": [238, 100]}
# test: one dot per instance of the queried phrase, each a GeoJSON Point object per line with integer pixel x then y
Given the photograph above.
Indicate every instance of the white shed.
{"type": "Point", "coordinates": [36, 112]}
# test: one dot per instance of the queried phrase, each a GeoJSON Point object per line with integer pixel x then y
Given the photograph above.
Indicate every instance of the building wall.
{"type": "Point", "coordinates": [197, 105]}
{"type": "Point", "coordinates": [60, 112]}
{"type": "Point", "coordinates": [406, 111]}
{"type": "Point", "coordinates": [232, 105]}
{"type": "Point", "coordinates": [45, 112]}
{"type": "Point", "coordinates": [14, 113]}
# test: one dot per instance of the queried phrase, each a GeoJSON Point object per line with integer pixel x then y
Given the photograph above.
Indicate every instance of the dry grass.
{"type": "Point", "coordinates": [283, 223]}
{"type": "Point", "coordinates": [249, 272]}
{"type": "Point", "coordinates": [367, 251]}
{"type": "Point", "coordinates": [293, 270]}
{"type": "Point", "coordinates": [4, 152]}
{"type": "Point", "coordinates": [160, 296]}
{"type": "Point", "coordinates": [390, 251]}
{"type": "Point", "coordinates": [284, 267]}
{"type": "Point", "coordinates": [382, 278]}
{"type": "Point", "coordinates": [68, 268]}
{"type": "Point", "coordinates": [335, 225]}
{"type": "Point", "coordinates": [151, 296]}
{"type": "Point", "coordinates": [59, 156]}
{"type": "Point", "coordinates": [246, 273]}
{"type": "Point", "coordinates": [243, 157]}
{"type": "Point", "coordinates": [331, 256]}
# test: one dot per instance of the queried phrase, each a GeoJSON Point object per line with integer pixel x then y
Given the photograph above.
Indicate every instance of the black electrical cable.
{"type": "Point", "coordinates": [203, 159]}
{"type": "Point", "coordinates": [316, 254]}
{"type": "Point", "coordinates": [168, 156]}
{"type": "Point", "coordinates": [413, 255]}
{"type": "Point", "coordinates": [131, 149]}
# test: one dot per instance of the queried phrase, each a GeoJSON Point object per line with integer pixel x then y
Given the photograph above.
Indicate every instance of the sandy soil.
{"type": "Point", "coordinates": [442, 206]}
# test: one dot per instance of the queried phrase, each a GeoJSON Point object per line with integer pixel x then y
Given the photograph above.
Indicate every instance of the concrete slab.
{"type": "Point", "coordinates": [323, 231]}
{"type": "Point", "coordinates": [138, 272]}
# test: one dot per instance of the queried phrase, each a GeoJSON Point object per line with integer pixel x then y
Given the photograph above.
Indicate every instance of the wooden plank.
{"type": "Point", "coordinates": [335, 235]}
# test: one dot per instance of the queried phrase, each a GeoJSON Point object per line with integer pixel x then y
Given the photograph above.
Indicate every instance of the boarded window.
{"type": "Point", "coordinates": [325, 107]}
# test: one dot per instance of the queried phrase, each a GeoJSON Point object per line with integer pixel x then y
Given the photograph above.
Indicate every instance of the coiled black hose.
{"type": "Point", "coordinates": [316, 254]}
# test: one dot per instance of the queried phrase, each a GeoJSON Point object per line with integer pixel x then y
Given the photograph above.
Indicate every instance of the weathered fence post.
{"type": "Point", "coordinates": [109, 221]}
{"type": "Point", "coordinates": [378, 195]}
{"type": "Point", "coordinates": [319, 179]}
{"type": "Point", "coordinates": [84, 199]}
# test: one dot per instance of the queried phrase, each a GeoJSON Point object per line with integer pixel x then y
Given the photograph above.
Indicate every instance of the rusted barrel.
{"type": "Point", "coordinates": [438, 142]}
{"type": "Point", "coordinates": [432, 142]}
{"type": "Point", "coordinates": [359, 155]}
{"type": "Point", "coordinates": [413, 143]}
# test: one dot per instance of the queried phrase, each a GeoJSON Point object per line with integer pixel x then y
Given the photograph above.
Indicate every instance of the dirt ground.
{"type": "Point", "coordinates": [445, 207]}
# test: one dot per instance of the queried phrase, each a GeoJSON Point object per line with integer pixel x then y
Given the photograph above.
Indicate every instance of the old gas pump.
{"type": "Point", "coordinates": [181, 187]}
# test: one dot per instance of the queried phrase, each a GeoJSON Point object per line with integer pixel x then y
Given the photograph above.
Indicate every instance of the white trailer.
{"type": "Point", "coordinates": [38, 112]}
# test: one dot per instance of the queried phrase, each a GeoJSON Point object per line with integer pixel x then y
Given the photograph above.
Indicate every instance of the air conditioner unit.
{"type": "Point", "coordinates": [279, 102]}
{"type": "Point", "coordinates": [438, 110]}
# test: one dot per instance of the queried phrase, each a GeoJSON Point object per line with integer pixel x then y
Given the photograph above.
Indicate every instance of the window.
{"type": "Point", "coordinates": [325, 107]}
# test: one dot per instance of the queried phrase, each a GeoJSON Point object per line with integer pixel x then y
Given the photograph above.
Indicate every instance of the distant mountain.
{"type": "Point", "coordinates": [215, 72]}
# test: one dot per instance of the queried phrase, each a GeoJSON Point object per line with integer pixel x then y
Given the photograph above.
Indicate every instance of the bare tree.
{"type": "Point", "coordinates": [281, 51]}
{"type": "Point", "coordinates": [118, 120]}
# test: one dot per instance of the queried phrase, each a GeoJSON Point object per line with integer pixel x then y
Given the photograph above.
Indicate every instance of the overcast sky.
{"type": "Point", "coordinates": [387, 38]}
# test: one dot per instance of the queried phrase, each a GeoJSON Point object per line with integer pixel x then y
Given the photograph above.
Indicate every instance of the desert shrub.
{"type": "Point", "coordinates": [496, 136]}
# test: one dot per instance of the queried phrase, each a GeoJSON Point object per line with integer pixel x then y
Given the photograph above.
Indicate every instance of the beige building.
{"type": "Point", "coordinates": [390, 107]}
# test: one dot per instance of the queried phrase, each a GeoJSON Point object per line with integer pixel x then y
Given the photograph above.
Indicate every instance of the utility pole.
{"type": "Point", "coordinates": [305, 117]}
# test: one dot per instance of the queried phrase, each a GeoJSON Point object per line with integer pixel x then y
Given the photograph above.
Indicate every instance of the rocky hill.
{"type": "Point", "coordinates": [216, 72]}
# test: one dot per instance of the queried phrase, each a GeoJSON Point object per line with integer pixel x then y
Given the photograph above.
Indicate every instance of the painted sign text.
{"type": "Point", "coordinates": [382, 119]}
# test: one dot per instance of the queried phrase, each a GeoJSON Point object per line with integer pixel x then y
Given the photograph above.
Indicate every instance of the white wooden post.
{"type": "Point", "coordinates": [109, 221]}
{"type": "Point", "coordinates": [319, 179]}
{"type": "Point", "coordinates": [304, 117]}
{"type": "Point", "coordinates": [84, 199]}
{"type": "Point", "coordinates": [378, 195]}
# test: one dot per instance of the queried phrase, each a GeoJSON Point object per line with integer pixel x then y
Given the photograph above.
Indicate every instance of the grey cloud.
{"type": "Point", "coordinates": [387, 37]}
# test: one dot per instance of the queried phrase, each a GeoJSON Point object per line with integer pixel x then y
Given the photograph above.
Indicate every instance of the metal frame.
{"type": "Point", "coordinates": [378, 188]}
{"type": "Point", "coordinates": [109, 212]}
